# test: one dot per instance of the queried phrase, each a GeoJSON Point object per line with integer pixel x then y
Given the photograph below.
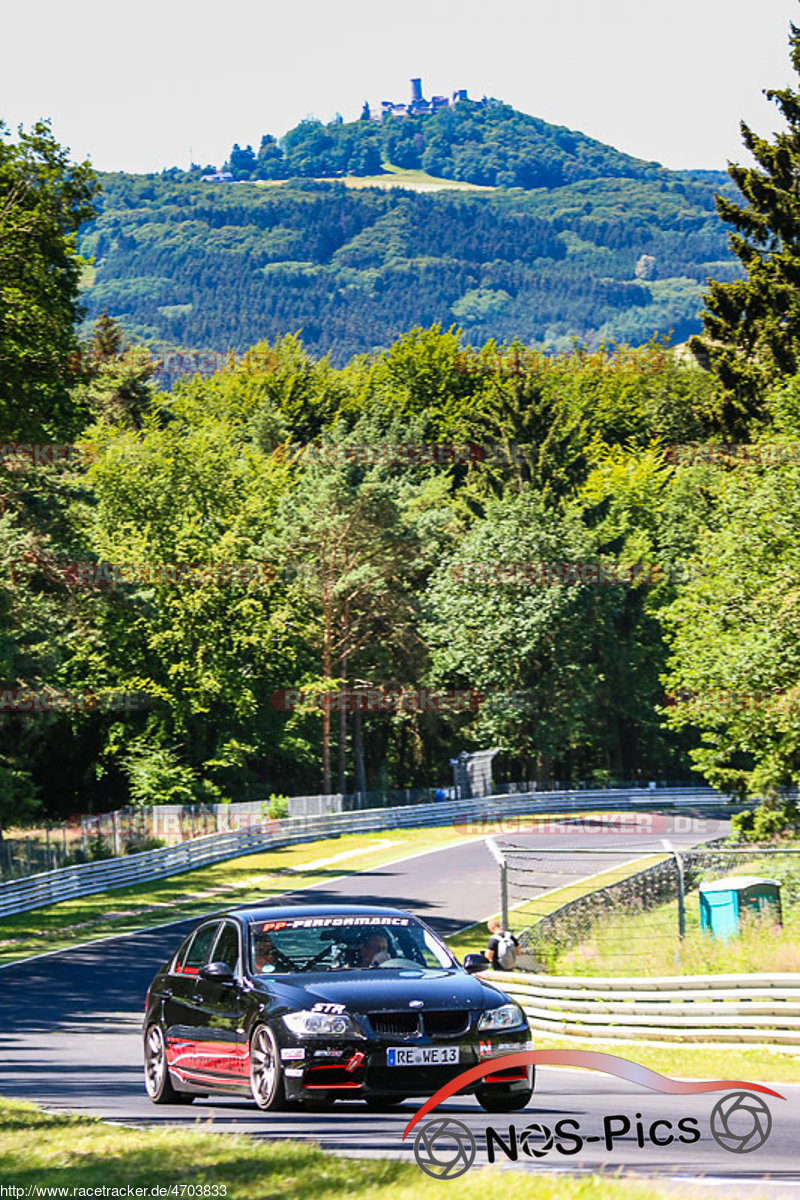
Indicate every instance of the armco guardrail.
{"type": "Point", "coordinates": [694, 1008]}
{"type": "Point", "coordinates": [36, 891]}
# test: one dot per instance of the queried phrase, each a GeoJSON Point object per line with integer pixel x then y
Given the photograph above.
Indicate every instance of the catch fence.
{"type": "Point", "coordinates": [636, 910]}
{"type": "Point", "coordinates": [44, 849]}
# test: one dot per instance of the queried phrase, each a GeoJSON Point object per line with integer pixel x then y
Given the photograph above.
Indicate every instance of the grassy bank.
{"type": "Point", "coordinates": [647, 944]}
{"type": "Point", "coordinates": [396, 177]}
{"type": "Point", "coordinates": [41, 1150]}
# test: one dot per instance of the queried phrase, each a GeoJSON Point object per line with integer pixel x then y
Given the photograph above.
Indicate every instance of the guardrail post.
{"type": "Point", "coordinates": [504, 895]}
{"type": "Point", "coordinates": [500, 859]}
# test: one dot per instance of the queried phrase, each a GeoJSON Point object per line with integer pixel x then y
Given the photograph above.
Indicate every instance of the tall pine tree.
{"type": "Point", "coordinates": [752, 325]}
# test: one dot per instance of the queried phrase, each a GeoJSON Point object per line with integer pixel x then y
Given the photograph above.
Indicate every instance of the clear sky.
{"type": "Point", "coordinates": [143, 86]}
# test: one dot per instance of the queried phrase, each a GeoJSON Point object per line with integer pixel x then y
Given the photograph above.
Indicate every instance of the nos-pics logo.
{"type": "Point", "coordinates": [445, 1148]}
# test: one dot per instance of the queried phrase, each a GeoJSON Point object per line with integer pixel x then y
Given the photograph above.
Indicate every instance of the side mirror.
{"type": "Point", "coordinates": [475, 962]}
{"type": "Point", "coordinates": [217, 972]}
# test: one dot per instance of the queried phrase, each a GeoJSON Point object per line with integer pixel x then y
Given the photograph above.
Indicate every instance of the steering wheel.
{"type": "Point", "coordinates": [398, 962]}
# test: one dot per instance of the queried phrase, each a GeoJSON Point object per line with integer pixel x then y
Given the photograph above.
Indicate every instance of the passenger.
{"type": "Point", "coordinates": [373, 949]}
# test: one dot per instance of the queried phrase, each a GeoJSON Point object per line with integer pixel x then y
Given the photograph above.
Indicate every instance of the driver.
{"type": "Point", "coordinates": [373, 949]}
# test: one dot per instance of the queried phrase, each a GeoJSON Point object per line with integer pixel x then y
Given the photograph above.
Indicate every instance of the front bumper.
{"type": "Point", "coordinates": [355, 1068]}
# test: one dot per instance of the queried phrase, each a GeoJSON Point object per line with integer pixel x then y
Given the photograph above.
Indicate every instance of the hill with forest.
{"type": "Point", "coordinates": [484, 142]}
{"type": "Point", "coordinates": [569, 240]}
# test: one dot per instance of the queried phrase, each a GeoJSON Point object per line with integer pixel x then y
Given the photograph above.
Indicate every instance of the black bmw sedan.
{"type": "Point", "coordinates": [318, 1003]}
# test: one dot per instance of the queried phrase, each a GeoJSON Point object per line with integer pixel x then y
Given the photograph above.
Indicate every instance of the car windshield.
{"type": "Point", "coordinates": [343, 943]}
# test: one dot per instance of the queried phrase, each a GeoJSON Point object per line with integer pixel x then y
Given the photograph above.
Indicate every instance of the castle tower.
{"type": "Point", "coordinates": [416, 90]}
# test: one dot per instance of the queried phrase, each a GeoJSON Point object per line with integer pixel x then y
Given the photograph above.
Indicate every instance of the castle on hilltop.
{"type": "Point", "coordinates": [417, 106]}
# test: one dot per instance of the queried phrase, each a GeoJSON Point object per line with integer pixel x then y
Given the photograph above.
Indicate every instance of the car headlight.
{"type": "Point", "coordinates": [317, 1024]}
{"type": "Point", "coordinates": [504, 1017]}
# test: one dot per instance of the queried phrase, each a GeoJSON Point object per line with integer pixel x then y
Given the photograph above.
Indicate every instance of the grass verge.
{"type": "Point", "coordinates": [756, 1064]}
{"type": "Point", "coordinates": [42, 1150]}
{"type": "Point", "coordinates": [647, 944]}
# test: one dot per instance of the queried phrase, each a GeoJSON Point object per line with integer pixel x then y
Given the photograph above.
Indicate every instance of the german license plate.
{"type": "Point", "coordinates": [417, 1056]}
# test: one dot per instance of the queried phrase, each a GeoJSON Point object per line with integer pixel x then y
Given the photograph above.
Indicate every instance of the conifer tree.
{"type": "Point", "coordinates": [107, 338]}
{"type": "Point", "coordinates": [752, 325]}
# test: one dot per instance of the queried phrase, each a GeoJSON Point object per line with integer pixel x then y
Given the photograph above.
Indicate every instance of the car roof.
{"type": "Point", "coordinates": [285, 911]}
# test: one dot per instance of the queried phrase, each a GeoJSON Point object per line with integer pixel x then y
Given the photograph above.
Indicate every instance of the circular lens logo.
{"type": "Point", "coordinates": [444, 1149]}
{"type": "Point", "coordinates": [740, 1122]}
{"type": "Point", "coordinates": [536, 1140]}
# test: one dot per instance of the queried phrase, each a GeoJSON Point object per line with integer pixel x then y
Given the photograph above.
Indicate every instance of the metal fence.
{"type": "Point", "coordinates": [635, 909]}
{"type": "Point", "coordinates": [468, 816]}
{"type": "Point", "coordinates": [40, 851]}
{"type": "Point", "coordinates": [124, 830]}
{"type": "Point", "coordinates": [88, 837]}
{"type": "Point", "coordinates": [311, 806]}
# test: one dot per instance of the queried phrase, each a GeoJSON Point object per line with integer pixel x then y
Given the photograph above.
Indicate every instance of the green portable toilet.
{"type": "Point", "coordinates": [722, 901]}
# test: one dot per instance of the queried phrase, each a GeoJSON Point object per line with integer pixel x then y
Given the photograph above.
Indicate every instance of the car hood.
{"type": "Point", "coordinates": [365, 991]}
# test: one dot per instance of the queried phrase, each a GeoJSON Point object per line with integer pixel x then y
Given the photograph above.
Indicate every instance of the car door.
{"type": "Point", "coordinates": [181, 1013]}
{"type": "Point", "coordinates": [221, 1050]}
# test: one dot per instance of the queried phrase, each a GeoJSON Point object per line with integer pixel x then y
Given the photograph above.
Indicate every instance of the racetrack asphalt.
{"type": "Point", "coordinates": [70, 1040]}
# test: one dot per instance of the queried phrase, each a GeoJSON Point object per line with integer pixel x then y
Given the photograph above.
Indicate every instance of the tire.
{"type": "Point", "coordinates": [381, 1103]}
{"type": "Point", "coordinates": [494, 1101]}
{"type": "Point", "coordinates": [319, 1102]}
{"type": "Point", "coordinates": [157, 1080]}
{"type": "Point", "coordinates": [266, 1072]}
{"type": "Point", "coordinates": [499, 1103]}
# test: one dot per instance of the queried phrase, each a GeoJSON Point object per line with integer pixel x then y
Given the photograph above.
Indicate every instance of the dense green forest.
{"type": "Point", "coordinates": [598, 547]}
{"type": "Point", "coordinates": [360, 587]}
{"type": "Point", "coordinates": [488, 143]}
{"type": "Point", "coordinates": [216, 267]}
